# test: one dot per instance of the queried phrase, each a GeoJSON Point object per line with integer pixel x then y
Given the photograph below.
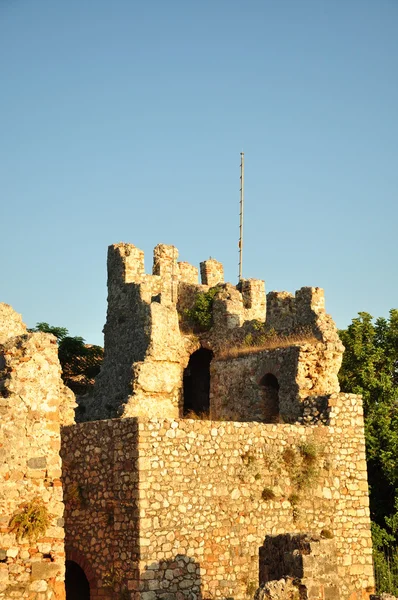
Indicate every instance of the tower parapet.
{"type": "Point", "coordinates": [150, 336]}
{"type": "Point", "coordinates": [146, 350]}
{"type": "Point", "coordinates": [211, 272]}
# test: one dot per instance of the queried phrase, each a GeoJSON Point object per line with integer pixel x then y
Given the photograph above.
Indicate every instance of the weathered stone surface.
{"type": "Point", "coordinates": [11, 323]}
{"type": "Point", "coordinates": [31, 395]}
{"type": "Point", "coordinates": [45, 570]}
{"type": "Point", "coordinates": [39, 462]}
{"type": "Point", "coordinates": [211, 272]}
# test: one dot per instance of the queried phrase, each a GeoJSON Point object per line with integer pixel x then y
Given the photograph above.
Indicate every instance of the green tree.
{"type": "Point", "coordinates": [80, 362]}
{"type": "Point", "coordinates": [59, 332]}
{"type": "Point", "coordinates": [370, 368]}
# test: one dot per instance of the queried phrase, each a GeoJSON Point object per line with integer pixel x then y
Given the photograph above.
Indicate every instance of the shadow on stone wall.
{"type": "Point", "coordinates": [173, 579]}
{"type": "Point", "coordinates": [308, 561]}
{"type": "Point", "coordinates": [101, 482]}
{"type": "Point", "coordinates": [281, 556]}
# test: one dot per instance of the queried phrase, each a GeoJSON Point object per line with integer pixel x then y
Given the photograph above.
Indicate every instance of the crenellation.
{"type": "Point", "coordinates": [211, 272]}
{"type": "Point", "coordinates": [254, 299]}
{"type": "Point", "coordinates": [147, 321]}
{"type": "Point", "coordinates": [165, 262]}
{"type": "Point", "coordinates": [188, 273]}
{"type": "Point", "coordinates": [281, 311]}
{"type": "Point", "coordinates": [311, 314]}
{"type": "Point", "coordinates": [125, 264]}
{"type": "Point", "coordinates": [228, 313]}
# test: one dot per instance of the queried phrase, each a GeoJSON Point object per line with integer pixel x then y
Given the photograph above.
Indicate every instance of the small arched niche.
{"type": "Point", "coordinates": [76, 583]}
{"type": "Point", "coordinates": [269, 390]}
{"type": "Point", "coordinates": [196, 384]}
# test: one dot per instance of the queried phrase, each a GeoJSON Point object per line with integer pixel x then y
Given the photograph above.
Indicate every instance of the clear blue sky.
{"type": "Point", "coordinates": [123, 120]}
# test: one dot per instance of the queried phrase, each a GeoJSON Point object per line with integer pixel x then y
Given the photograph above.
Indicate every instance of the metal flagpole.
{"type": "Point", "coordinates": [242, 182]}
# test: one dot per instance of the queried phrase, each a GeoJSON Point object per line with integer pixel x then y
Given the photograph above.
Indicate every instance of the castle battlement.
{"type": "Point", "coordinates": [174, 282]}
{"type": "Point", "coordinates": [126, 262]}
{"type": "Point", "coordinates": [235, 461]}
{"type": "Point", "coordinates": [151, 344]}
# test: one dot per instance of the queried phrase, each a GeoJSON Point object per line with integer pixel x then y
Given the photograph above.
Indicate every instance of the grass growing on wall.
{"type": "Point", "coordinates": [303, 465]}
{"type": "Point", "coordinates": [259, 340]}
{"type": "Point", "coordinates": [298, 465]}
{"type": "Point", "coordinates": [31, 521]}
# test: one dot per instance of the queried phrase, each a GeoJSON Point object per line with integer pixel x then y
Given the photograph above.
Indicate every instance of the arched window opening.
{"type": "Point", "coordinates": [76, 583]}
{"type": "Point", "coordinates": [196, 384]}
{"type": "Point", "coordinates": [269, 387]}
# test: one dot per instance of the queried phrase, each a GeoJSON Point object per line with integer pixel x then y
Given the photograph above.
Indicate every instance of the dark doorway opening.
{"type": "Point", "coordinates": [269, 387]}
{"type": "Point", "coordinates": [76, 583]}
{"type": "Point", "coordinates": [196, 384]}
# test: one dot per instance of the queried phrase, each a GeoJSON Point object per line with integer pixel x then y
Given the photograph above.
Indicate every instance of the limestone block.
{"type": "Point", "coordinates": [45, 570]}
{"type": "Point", "coordinates": [157, 376]}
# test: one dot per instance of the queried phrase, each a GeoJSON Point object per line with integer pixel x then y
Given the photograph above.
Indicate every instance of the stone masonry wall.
{"type": "Point", "coordinates": [31, 397]}
{"type": "Point", "coordinates": [101, 487]}
{"type": "Point", "coordinates": [208, 493]}
{"type": "Point", "coordinates": [301, 371]}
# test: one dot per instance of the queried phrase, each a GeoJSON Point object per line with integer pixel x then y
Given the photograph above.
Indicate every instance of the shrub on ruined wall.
{"type": "Point", "coordinates": [200, 316]}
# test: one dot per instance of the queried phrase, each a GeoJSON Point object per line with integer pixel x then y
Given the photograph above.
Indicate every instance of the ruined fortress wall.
{"type": "Point", "coordinates": [146, 350]}
{"type": "Point", "coordinates": [207, 493]}
{"type": "Point", "coordinates": [31, 395]}
{"type": "Point", "coordinates": [236, 392]}
{"type": "Point", "coordinates": [300, 370]}
{"type": "Point", "coordinates": [305, 311]}
{"type": "Point", "coordinates": [286, 312]}
{"type": "Point", "coordinates": [127, 327]}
